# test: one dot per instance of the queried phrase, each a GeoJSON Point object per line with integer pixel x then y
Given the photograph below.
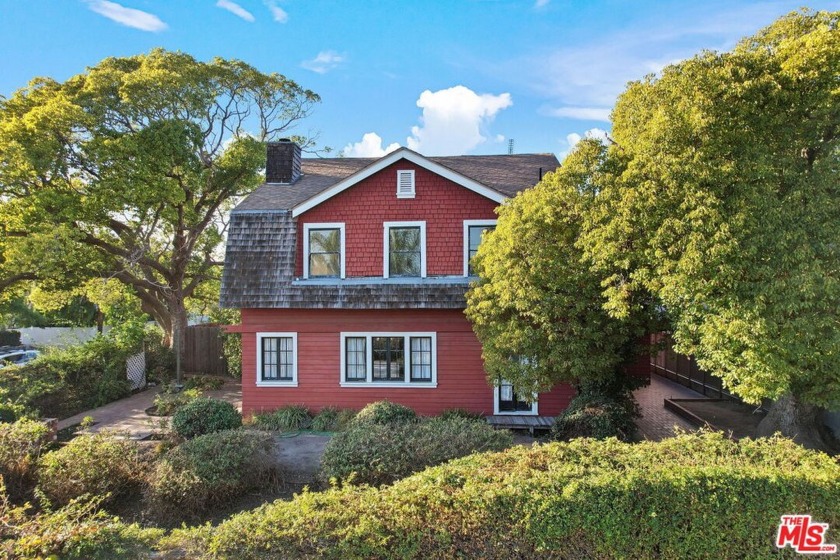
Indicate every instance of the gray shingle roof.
{"type": "Point", "coordinates": [507, 174]}
{"type": "Point", "coordinates": [260, 256]}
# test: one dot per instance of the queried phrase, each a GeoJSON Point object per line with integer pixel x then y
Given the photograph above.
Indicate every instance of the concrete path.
{"type": "Point", "coordinates": [656, 422]}
{"type": "Point", "coordinates": [129, 414]}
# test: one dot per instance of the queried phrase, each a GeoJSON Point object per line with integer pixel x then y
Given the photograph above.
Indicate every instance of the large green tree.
{"type": "Point", "coordinates": [126, 172]}
{"type": "Point", "coordinates": [727, 208]}
{"type": "Point", "coordinates": [538, 307]}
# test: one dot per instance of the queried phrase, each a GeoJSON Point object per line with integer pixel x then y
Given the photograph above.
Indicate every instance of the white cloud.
{"type": "Point", "coordinates": [580, 113]}
{"type": "Point", "coordinates": [324, 62]}
{"type": "Point", "coordinates": [370, 146]}
{"type": "Point", "coordinates": [573, 139]}
{"type": "Point", "coordinates": [235, 9]}
{"type": "Point", "coordinates": [453, 120]}
{"type": "Point", "coordinates": [541, 4]}
{"type": "Point", "coordinates": [129, 17]}
{"type": "Point", "coordinates": [277, 13]}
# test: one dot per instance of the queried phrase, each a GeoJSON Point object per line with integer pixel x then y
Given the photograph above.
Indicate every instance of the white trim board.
{"type": "Point", "coordinates": [385, 161]}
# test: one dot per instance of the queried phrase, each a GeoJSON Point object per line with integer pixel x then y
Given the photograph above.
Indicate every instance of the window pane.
{"type": "Point", "coordinates": [324, 241]}
{"type": "Point", "coordinates": [388, 358]}
{"type": "Point", "coordinates": [324, 252]}
{"type": "Point", "coordinates": [278, 359]}
{"type": "Point", "coordinates": [421, 358]}
{"type": "Point", "coordinates": [404, 251]}
{"type": "Point", "coordinates": [355, 359]}
{"type": "Point", "coordinates": [324, 264]}
{"type": "Point", "coordinates": [475, 234]}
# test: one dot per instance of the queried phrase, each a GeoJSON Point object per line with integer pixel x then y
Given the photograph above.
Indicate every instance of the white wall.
{"type": "Point", "coordinates": [56, 336]}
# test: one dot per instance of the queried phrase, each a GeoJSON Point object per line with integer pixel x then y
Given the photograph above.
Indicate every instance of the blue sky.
{"type": "Point", "coordinates": [442, 77]}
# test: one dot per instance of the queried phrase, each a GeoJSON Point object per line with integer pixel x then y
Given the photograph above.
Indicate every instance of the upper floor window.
{"type": "Point", "coordinates": [405, 249]}
{"type": "Point", "coordinates": [323, 250]}
{"type": "Point", "coordinates": [405, 183]}
{"type": "Point", "coordinates": [277, 359]}
{"type": "Point", "coordinates": [474, 230]}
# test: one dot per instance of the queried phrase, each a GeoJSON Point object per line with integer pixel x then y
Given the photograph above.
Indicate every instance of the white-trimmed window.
{"type": "Point", "coordinates": [323, 250]}
{"type": "Point", "coordinates": [405, 249]}
{"type": "Point", "coordinates": [474, 230]}
{"type": "Point", "coordinates": [277, 359]}
{"type": "Point", "coordinates": [405, 183]}
{"type": "Point", "coordinates": [388, 359]}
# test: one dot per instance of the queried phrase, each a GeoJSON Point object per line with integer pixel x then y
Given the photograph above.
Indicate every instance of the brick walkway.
{"type": "Point", "coordinates": [656, 422]}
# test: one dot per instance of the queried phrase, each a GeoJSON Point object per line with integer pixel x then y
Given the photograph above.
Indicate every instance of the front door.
{"type": "Point", "coordinates": [509, 402]}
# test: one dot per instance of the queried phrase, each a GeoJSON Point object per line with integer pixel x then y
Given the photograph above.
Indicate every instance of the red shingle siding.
{"type": "Point", "coordinates": [461, 379]}
{"type": "Point", "coordinates": [364, 207]}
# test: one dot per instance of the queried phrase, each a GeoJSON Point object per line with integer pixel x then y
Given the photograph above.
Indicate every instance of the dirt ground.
{"type": "Point", "coordinates": [732, 417]}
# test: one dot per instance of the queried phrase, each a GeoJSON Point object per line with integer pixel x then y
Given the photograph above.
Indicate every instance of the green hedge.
{"type": "Point", "coordinates": [205, 416]}
{"type": "Point", "coordinates": [65, 382]}
{"type": "Point", "coordinates": [694, 496]}
{"type": "Point", "coordinates": [382, 453]}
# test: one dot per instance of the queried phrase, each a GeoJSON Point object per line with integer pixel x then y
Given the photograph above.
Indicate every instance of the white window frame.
{"type": "Point", "coordinates": [325, 225]}
{"type": "Point", "coordinates": [496, 412]}
{"type": "Point", "coordinates": [467, 225]}
{"type": "Point", "coordinates": [410, 174]}
{"type": "Point", "coordinates": [386, 241]}
{"type": "Point", "coordinates": [369, 382]}
{"type": "Point", "coordinates": [284, 383]}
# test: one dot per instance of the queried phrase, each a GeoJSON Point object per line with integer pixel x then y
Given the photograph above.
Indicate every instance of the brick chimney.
{"type": "Point", "coordinates": [282, 163]}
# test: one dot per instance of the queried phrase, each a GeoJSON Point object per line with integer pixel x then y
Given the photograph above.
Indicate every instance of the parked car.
{"type": "Point", "coordinates": [17, 357]}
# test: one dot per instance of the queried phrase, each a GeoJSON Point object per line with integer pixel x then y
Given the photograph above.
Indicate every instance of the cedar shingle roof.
{"type": "Point", "coordinates": [507, 174]}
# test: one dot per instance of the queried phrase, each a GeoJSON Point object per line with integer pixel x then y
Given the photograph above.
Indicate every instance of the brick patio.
{"type": "Point", "coordinates": [656, 422]}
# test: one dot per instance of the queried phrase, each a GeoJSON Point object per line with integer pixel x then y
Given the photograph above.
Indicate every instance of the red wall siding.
{"type": "Point", "coordinates": [363, 208]}
{"type": "Point", "coordinates": [461, 379]}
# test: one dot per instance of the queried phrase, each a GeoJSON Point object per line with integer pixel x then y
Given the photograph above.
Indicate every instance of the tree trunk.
{"type": "Point", "coordinates": [799, 421]}
{"type": "Point", "coordinates": [179, 328]}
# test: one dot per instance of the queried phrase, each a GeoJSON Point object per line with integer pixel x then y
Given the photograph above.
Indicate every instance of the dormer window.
{"type": "Point", "coordinates": [323, 250]}
{"type": "Point", "coordinates": [405, 249]}
{"type": "Point", "coordinates": [405, 183]}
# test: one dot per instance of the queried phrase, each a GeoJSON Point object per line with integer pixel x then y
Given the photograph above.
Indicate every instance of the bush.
{"type": "Point", "coordinates": [9, 412]}
{"type": "Point", "coordinates": [332, 419]}
{"type": "Point", "coordinates": [686, 497]}
{"type": "Point", "coordinates": [460, 413]}
{"type": "Point", "coordinates": [601, 409]}
{"type": "Point", "coordinates": [384, 413]}
{"type": "Point", "coordinates": [21, 444]}
{"type": "Point", "coordinates": [65, 382]}
{"type": "Point", "coordinates": [380, 454]}
{"type": "Point", "coordinates": [160, 359]}
{"type": "Point", "coordinates": [204, 383]}
{"type": "Point", "coordinates": [95, 464]}
{"type": "Point", "coordinates": [9, 338]}
{"type": "Point", "coordinates": [210, 471]}
{"type": "Point", "coordinates": [171, 399]}
{"type": "Point", "coordinates": [80, 530]}
{"type": "Point", "coordinates": [205, 416]}
{"type": "Point", "coordinates": [284, 419]}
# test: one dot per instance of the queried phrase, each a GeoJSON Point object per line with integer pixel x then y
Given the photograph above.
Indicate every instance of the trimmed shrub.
{"type": "Point", "coordinates": [284, 419]}
{"type": "Point", "coordinates": [21, 444]}
{"type": "Point", "coordinates": [9, 412]}
{"type": "Point", "coordinates": [209, 471]}
{"type": "Point", "coordinates": [204, 383]}
{"type": "Point", "coordinates": [160, 359]}
{"type": "Point", "coordinates": [601, 409]}
{"type": "Point", "coordinates": [460, 413]}
{"type": "Point", "coordinates": [692, 497]}
{"type": "Point", "coordinates": [380, 454]}
{"type": "Point", "coordinates": [65, 382]}
{"type": "Point", "coordinates": [95, 464]}
{"type": "Point", "coordinates": [384, 413]}
{"type": "Point", "coordinates": [205, 416]}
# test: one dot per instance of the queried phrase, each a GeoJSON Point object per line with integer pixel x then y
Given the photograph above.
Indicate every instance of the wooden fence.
{"type": "Point", "coordinates": [203, 350]}
{"type": "Point", "coordinates": [684, 370]}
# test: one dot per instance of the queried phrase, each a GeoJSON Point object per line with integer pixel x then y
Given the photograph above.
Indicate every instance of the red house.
{"type": "Point", "coordinates": [351, 274]}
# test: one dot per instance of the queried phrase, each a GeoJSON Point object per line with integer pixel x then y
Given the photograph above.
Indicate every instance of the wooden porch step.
{"type": "Point", "coordinates": [521, 422]}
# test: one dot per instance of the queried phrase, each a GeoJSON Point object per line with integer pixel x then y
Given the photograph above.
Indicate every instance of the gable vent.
{"type": "Point", "coordinates": [405, 184]}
